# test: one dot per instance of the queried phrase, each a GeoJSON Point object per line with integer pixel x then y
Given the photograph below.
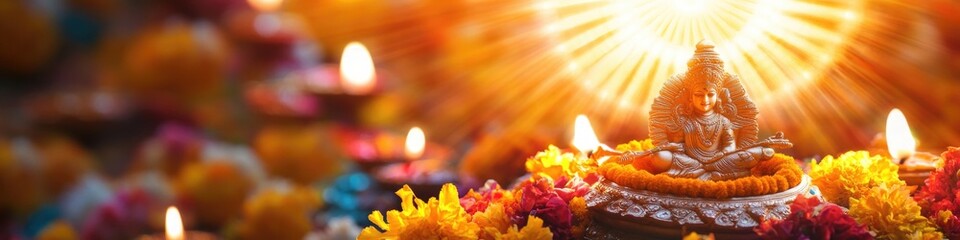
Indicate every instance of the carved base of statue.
{"type": "Point", "coordinates": [623, 213]}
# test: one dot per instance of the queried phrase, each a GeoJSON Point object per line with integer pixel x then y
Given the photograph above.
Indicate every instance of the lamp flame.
{"type": "Point", "coordinates": [265, 5]}
{"type": "Point", "coordinates": [356, 69]}
{"type": "Point", "coordinates": [900, 141]}
{"type": "Point", "coordinates": [584, 138]}
{"type": "Point", "coordinates": [416, 142]}
{"type": "Point", "coordinates": [174, 226]}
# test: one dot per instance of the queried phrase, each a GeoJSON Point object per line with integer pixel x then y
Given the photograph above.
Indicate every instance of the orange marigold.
{"type": "Point", "coordinates": [581, 216]}
{"type": "Point", "coordinates": [775, 175]}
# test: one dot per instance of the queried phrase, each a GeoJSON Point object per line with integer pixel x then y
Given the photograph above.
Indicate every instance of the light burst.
{"type": "Point", "coordinates": [823, 71]}
{"type": "Point", "coordinates": [628, 48]}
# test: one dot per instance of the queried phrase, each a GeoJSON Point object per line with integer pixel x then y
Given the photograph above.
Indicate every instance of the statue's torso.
{"type": "Point", "coordinates": [704, 136]}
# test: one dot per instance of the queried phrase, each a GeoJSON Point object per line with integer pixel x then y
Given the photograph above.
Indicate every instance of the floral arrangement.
{"type": "Point", "coordinates": [851, 174]}
{"type": "Point", "coordinates": [890, 213]}
{"type": "Point", "coordinates": [555, 164]}
{"type": "Point", "coordinates": [775, 175]}
{"type": "Point", "coordinates": [939, 197]}
{"type": "Point", "coordinates": [213, 190]}
{"type": "Point", "coordinates": [812, 219]}
{"type": "Point", "coordinates": [286, 208]}
{"type": "Point", "coordinates": [695, 236]}
{"type": "Point", "coordinates": [644, 161]}
{"type": "Point", "coordinates": [445, 217]}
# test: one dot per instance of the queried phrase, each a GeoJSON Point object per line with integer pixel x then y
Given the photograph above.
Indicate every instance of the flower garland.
{"type": "Point", "coordinates": [771, 176]}
{"type": "Point", "coordinates": [852, 173]}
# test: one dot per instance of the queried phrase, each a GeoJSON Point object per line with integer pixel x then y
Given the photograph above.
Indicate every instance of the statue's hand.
{"type": "Point", "coordinates": [673, 147]}
{"type": "Point", "coordinates": [777, 141]}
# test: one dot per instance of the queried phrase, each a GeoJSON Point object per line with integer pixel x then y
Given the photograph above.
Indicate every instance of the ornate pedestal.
{"type": "Point", "coordinates": [623, 213]}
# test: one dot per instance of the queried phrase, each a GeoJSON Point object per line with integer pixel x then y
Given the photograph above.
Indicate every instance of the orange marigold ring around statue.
{"type": "Point", "coordinates": [772, 176]}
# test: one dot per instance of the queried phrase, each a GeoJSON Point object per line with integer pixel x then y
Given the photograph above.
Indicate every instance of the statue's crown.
{"type": "Point", "coordinates": [705, 57]}
{"type": "Point", "coordinates": [705, 67]}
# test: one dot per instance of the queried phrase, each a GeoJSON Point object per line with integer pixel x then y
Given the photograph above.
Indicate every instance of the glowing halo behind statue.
{"type": "Point", "coordinates": [624, 47]}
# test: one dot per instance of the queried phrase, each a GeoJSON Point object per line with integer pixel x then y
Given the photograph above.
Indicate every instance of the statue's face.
{"type": "Point", "coordinates": [704, 99]}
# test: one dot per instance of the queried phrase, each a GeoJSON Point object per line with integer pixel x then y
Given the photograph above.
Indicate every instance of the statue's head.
{"type": "Point", "coordinates": [703, 82]}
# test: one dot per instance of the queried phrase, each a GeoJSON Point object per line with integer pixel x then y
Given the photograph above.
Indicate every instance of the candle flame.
{"type": "Point", "coordinates": [174, 225]}
{"type": "Point", "coordinates": [900, 141]}
{"type": "Point", "coordinates": [584, 138]}
{"type": "Point", "coordinates": [265, 5]}
{"type": "Point", "coordinates": [416, 142]}
{"type": "Point", "coordinates": [356, 69]}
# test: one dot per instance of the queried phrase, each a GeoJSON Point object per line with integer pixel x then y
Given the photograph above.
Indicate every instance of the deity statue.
{"type": "Point", "coordinates": [704, 125]}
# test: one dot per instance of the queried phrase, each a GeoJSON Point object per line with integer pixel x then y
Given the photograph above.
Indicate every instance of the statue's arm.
{"type": "Point", "coordinates": [729, 141]}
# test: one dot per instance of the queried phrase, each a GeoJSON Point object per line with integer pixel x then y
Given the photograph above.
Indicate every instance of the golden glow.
{"type": "Point", "coordinates": [356, 69]}
{"type": "Point", "coordinates": [817, 70]}
{"type": "Point", "coordinates": [265, 5]}
{"type": "Point", "coordinates": [629, 47]}
{"type": "Point", "coordinates": [584, 138]}
{"type": "Point", "coordinates": [174, 226]}
{"type": "Point", "coordinates": [691, 7]}
{"type": "Point", "coordinates": [415, 144]}
{"type": "Point", "coordinates": [900, 141]}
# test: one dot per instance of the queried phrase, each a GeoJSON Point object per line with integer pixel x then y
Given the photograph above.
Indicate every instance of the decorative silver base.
{"type": "Point", "coordinates": [623, 213]}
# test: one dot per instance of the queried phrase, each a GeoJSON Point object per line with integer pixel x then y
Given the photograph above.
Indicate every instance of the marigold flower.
{"type": "Point", "coordinates": [948, 224]}
{"type": "Point", "coordinates": [286, 208]}
{"type": "Point", "coordinates": [775, 175]}
{"type": "Point", "coordinates": [538, 198]}
{"type": "Point", "coordinates": [555, 163]}
{"type": "Point", "coordinates": [695, 236]}
{"type": "Point", "coordinates": [941, 191]}
{"type": "Point", "coordinates": [851, 174]}
{"type": "Point", "coordinates": [811, 219]}
{"type": "Point", "coordinates": [581, 216]}
{"type": "Point", "coordinates": [890, 212]}
{"type": "Point", "coordinates": [437, 218]}
{"type": "Point", "coordinates": [534, 230]}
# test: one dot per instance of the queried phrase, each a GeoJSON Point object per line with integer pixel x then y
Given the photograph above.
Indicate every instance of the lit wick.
{"type": "Point", "coordinates": [174, 226]}
{"type": "Point", "coordinates": [415, 144]}
{"type": "Point", "coordinates": [584, 138]}
{"type": "Point", "coordinates": [900, 141]}
{"type": "Point", "coordinates": [358, 76]}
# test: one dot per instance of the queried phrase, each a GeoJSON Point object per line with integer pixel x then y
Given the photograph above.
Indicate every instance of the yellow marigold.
{"type": "Point", "coordinates": [534, 230]}
{"type": "Point", "coordinates": [435, 219]}
{"type": "Point", "coordinates": [695, 236]}
{"type": "Point", "coordinates": [494, 217]}
{"type": "Point", "coordinates": [285, 209]}
{"type": "Point", "coordinates": [58, 230]}
{"type": "Point", "coordinates": [890, 213]}
{"type": "Point", "coordinates": [850, 174]}
{"type": "Point", "coordinates": [635, 145]}
{"type": "Point", "coordinates": [215, 190]}
{"type": "Point", "coordinates": [555, 163]}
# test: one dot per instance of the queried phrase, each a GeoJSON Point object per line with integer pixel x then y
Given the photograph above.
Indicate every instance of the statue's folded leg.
{"type": "Point", "coordinates": [685, 167]}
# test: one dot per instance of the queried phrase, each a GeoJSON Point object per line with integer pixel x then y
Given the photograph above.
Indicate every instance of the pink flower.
{"type": "Point", "coordinates": [570, 188]}
{"type": "Point", "coordinates": [477, 201]}
{"type": "Point", "coordinates": [538, 198]}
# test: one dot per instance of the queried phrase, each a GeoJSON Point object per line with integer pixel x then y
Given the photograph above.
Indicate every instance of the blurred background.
{"type": "Point", "coordinates": [288, 119]}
